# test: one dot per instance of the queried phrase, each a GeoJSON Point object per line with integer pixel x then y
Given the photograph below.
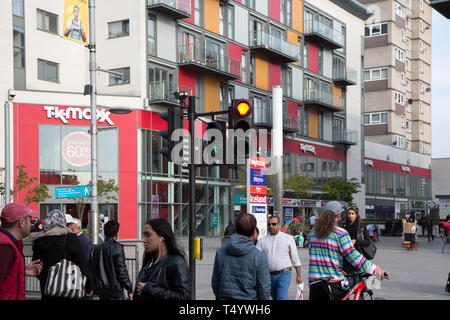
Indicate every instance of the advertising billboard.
{"type": "Point", "coordinates": [76, 20]}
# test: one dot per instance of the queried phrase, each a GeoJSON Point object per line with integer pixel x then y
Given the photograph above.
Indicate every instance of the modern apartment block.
{"type": "Point", "coordinates": [397, 107]}
{"type": "Point", "coordinates": [216, 51]}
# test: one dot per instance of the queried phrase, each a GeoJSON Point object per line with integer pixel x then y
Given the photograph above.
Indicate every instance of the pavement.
{"type": "Point", "coordinates": [414, 274]}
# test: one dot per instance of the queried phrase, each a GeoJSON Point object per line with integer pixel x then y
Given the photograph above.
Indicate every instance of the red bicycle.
{"type": "Point", "coordinates": [359, 286]}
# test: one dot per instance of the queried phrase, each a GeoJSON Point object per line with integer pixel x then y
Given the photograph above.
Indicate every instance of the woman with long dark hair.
{"type": "Point", "coordinates": [329, 245]}
{"type": "Point", "coordinates": [165, 273]}
{"type": "Point", "coordinates": [358, 234]}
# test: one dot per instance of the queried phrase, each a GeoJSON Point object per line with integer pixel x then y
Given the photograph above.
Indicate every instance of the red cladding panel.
{"type": "Point", "coordinates": [275, 74]}
{"type": "Point", "coordinates": [313, 57]}
{"type": "Point", "coordinates": [275, 10]}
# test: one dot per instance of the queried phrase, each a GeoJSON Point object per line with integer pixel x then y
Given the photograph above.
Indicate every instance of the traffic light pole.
{"type": "Point", "coordinates": [191, 117]}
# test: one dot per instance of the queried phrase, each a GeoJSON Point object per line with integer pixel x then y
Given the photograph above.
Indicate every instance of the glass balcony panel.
{"type": "Point", "coordinates": [181, 5]}
{"type": "Point", "coordinates": [267, 40]}
{"type": "Point", "coordinates": [326, 31]}
{"type": "Point", "coordinates": [163, 91]}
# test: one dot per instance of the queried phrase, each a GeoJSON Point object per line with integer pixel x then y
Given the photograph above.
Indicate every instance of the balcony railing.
{"type": "Point", "coordinates": [344, 136]}
{"type": "Point", "coordinates": [204, 59]}
{"type": "Point", "coordinates": [345, 76]}
{"type": "Point", "coordinates": [262, 116]}
{"type": "Point", "coordinates": [178, 9]}
{"type": "Point", "coordinates": [324, 34]}
{"type": "Point", "coordinates": [273, 46]}
{"type": "Point", "coordinates": [163, 92]}
{"type": "Point", "coordinates": [326, 99]}
{"type": "Point", "coordinates": [290, 122]}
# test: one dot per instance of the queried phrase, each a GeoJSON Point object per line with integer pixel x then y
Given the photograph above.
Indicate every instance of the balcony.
{"type": "Point", "coordinates": [323, 34]}
{"type": "Point", "coordinates": [272, 46]}
{"type": "Point", "coordinates": [205, 60]}
{"type": "Point", "coordinates": [178, 9]}
{"type": "Point", "coordinates": [323, 99]}
{"type": "Point", "coordinates": [345, 137]}
{"type": "Point", "coordinates": [345, 76]}
{"type": "Point", "coordinates": [162, 92]}
{"type": "Point", "coordinates": [262, 116]}
{"type": "Point", "coordinates": [290, 123]}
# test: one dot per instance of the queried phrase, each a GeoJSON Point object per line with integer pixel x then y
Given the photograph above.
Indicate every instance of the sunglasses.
{"type": "Point", "coordinates": [273, 224]}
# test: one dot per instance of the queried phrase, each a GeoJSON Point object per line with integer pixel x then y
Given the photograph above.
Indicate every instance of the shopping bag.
{"type": "Point", "coordinates": [299, 294]}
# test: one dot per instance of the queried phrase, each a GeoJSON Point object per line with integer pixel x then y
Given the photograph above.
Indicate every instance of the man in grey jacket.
{"type": "Point", "coordinates": [241, 271]}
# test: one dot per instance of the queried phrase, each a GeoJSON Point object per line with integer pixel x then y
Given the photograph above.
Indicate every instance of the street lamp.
{"type": "Point", "coordinates": [11, 95]}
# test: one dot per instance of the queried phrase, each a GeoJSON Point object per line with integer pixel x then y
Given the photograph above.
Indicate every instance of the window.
{"type": "Point", "coordinates": [399, 55]}
{"type": "Point", "coordinates": [408, 23]}
{"type": "Point", "coordinates": [48, 71]}
{"type": "Point", "coordinates": [121, 28]}
{"type": "Point", "coordinates": [408, 88]}
{"type": "Point", "coordinates": [403, 35]}
{"type": "Point", "coordinates": [421, 5]}
{"type": "Point", "coordinates": [230, 22]}
{"type": "Point", "coordinates": [321, 60]}
{"type": "Point", "coordinates": [408, 107]}
{"type": "Point", "coordinates": [151, 35]}
{"type": "Point", "coordinates": [399, 142]}
{"type": "Point", "coordinates": [47, 21]}
{"type": "Point", "coordinates": [421, 25]}
{"type": "Point", "coordinates": [408, 44]}
{"type": "Point", "coordinates": [403, 78]}
{"type": "Point", "coordinates": [198, 12]}
{"type": "Point", "coordinates": [399, 10]}
{"type": "Point", "coordinates": [286, 81]}
{"type": "Point", "coordinates": [222, 19]}
{"type": "Point", "coordinates": [320, 125]}
{"type": "Point", "coordinates": [286, 12]}
{"type": "Point", "coordinates": [252, 69]}
{"type": "Point", "coordinates": [376, 74]}
{"type": "Point", "coordinates": [421, 107]}
{"type": "Point", "coordinates": [375, 118]}
{"type": "Point", "coordinates": [399, 98]}
{"type": "Point", "coordinates": [420, 147]}
{"type": "Point", "coordinates": [299, 48]}
{"type": "Point", "coordinates": [408, 65]}
{"type": "Point", "coordinates": [402, 122]}
{"type": "Point", "coordinates": [305, 54]}
{"type": "Point", "coordinates": [376, 30]}
{"type": "Point", "coordinates": [420, 87]}
{"type": "Point", "coordinates": [421, 66]}
{"type": "Point", "coordinates": [118, 80]}
{"type": "Point", "coordinates": [303, 120]}
{"type": "Point", "coordinates": [421, 46]}
{"type": "Point", "coordinates": [408, 126]}
{"type": "Point", "coordinates": [244, 67]}
{"type": "Point", "coordinates": [19, 47]}
{"type": "Point", "coordinates": [17, 8]}
{"type": "Point", "coordinates": [421, 127]}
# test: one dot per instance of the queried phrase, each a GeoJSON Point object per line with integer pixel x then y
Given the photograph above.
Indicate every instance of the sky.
{"type": "Point", "coordinates": [440, 86]}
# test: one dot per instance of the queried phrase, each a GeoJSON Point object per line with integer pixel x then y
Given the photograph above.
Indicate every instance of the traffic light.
{"type": "Point", "coordinates": [240, 116]}
{"type": "Point", "coordinates": [214, 149]}
{"type": "Point", "coordinates": [174, 118]}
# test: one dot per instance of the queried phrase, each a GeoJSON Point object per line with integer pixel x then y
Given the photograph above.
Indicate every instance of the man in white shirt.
{"type": "Point", "coordinates": [312, 220]}
{"type": "Point", "coordinates": [281, 253]}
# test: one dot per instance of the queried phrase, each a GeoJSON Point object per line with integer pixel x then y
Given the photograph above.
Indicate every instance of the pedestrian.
{"type": "Point", "coordinates": [70, 223]}
{"type": "Point", "coordinates": [108, 266]}
{"type": "Point", "coordinates": [164, 274]}
{"type": "Point", "coordinates": [429, 226]}
{"type": "Point", "coordinates": [358, 234]}
{"type": "Point", "coordinates": [229, 230]}
{"type": "Point", "coordinates": [329, 245]}
{"type": "Point", "coordinates": [16, 220]}
{"type": "Point", "coordinates": [85, 241]}
{"type": "Point", "coordinates": [255, 236]}
{"type": "Point", "coordinates": [54, 243]}
{"type": "Point", "coordinates": [282, 254]}
{"type": "Point", "coordinates": [312, 220]}
{"type": "Point", "coordinates": [101, 234]}
{"type": "Point", "coordinates": [241, 271]}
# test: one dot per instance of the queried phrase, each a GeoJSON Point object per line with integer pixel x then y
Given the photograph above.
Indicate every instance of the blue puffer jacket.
{"type": "Point", "coordinates": [241, 271]}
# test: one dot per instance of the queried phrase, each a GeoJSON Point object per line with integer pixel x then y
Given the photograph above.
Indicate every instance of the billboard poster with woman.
{"type": "Point", "coordinates": [76, 20]}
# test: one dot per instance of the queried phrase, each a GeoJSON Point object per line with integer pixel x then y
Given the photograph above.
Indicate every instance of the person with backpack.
{"type": "Point", "coordinates": [53, 244]}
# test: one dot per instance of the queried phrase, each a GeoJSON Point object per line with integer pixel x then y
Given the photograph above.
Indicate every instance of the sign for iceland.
{"type": "Point", "coordinates": [257, 191]}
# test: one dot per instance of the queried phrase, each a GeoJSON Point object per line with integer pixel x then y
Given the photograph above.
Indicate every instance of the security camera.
{"type": "Point", "coordinates": [11, 94]}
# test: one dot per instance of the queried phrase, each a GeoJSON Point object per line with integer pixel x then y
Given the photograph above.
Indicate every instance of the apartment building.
{"type": "Point", "coordinates": [216, 51]}
{"type": "Point", "coordinates": [397, 108]}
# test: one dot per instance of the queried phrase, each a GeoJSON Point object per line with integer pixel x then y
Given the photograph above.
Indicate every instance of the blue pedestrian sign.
{"type": "Point", "coordinates": [73, 192]}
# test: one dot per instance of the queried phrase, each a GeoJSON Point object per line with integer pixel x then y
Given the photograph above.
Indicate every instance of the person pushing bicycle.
{"type": "Point", "coordinates": [328, 246]}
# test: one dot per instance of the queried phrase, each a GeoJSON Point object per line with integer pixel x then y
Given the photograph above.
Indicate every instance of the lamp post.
{"type": "Point", "coordinates": [11, 95]}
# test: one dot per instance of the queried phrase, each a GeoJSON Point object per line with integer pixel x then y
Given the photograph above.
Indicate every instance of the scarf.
{"type": "Point", "coordinates": [54, 218]}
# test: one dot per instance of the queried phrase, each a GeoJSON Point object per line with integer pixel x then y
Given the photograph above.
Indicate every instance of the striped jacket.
{"type": "Point", "coordinates": [326, 256]}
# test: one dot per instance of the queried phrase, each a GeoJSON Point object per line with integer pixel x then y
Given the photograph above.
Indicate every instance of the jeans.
{"type": "Point", "coordinates": [280, 285]}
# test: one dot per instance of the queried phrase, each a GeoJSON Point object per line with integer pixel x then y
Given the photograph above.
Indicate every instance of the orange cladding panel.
{"type": "Point", "coordinates": [211, 15]}
{"type": "Point", "coordinates": [297, 15]}
{"type": "Point", "coordinates": [262, 72]}
{"type": "Point", "coordinates": [212, 93]}
{"type": "Point", "coordinates": [313, 122]}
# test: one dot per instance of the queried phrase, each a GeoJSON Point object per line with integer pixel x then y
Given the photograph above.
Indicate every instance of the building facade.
{"type": "Point", "coordinates": [216, 51]}
{"type": "Point", "coordinates": [397, 106]}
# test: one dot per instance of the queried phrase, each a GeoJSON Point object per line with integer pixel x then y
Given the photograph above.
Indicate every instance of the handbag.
{"type": "Point", "coordinates": [65, 279]}
{"type": "Point", "coordinates": [369, 251]}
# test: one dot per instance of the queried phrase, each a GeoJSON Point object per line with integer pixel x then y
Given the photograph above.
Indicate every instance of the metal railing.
{"type": "Point", "coordinates": [314, 26]}
{"type": "Point", "coordinates": [345, 136]}
{"type": "Point", "coordinates": [210, 58]}
{"type": "Point", "coordinates": [164, 91]}
{"type": "Point", "coordinates": [262, 115]}
{"type": "Point", "coordinates": [347, 74]}
{"type": "Point", "coordinates": [290, 121]}
{"type": "Point", "coordinates": [320, 96]}
{"type": "Point", "coordinates": [181, 5]}
{"type": "Point", "coordinates": [268, 40]}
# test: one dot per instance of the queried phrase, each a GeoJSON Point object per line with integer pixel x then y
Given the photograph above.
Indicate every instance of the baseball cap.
{"type": "Point", "coordinates": [334, 206]}
{"type": "Point", "coordinates": [13, 212]}
{"type": "Point", "coordinates": [69, 219]}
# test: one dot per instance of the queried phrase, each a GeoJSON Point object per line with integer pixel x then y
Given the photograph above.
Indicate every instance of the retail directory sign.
{"type": "Point", "coordinates": [257, 192]}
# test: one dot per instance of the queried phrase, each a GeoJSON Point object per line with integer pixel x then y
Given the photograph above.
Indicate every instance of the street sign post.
{"type": "Point", "coordinates": [257, 192]}
{"type": "Point", "coordinates": [72, 192]}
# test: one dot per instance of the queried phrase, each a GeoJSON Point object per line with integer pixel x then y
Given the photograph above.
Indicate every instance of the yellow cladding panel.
{"type": "Point", "coordinates": [313, 122]}
{"type": "Point", "coordinates": [337, 92]}
{"type": "Point", "coordinates": [262, 72]}
{"type": "Point", "coordinates": [292, 38]}
{"type": "Point", "coordinates": [211, 15]}
{"type": "Point", "coordinates": [297, 15]}
{"type": "Point", "coordinates": [212, 93]}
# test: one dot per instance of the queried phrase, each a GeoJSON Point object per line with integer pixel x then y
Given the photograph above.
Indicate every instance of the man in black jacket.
{"type": "Point", "coordinates": [108, 265]}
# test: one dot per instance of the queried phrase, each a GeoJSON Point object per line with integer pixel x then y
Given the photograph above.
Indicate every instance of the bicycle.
{"type": "Point", "coordinates": [359, 285]}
